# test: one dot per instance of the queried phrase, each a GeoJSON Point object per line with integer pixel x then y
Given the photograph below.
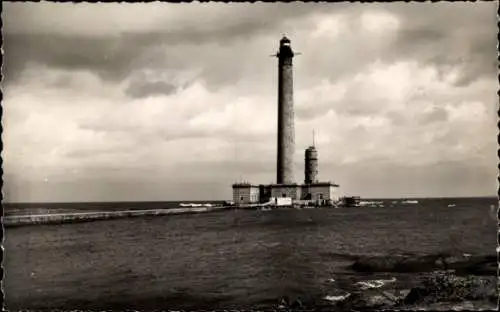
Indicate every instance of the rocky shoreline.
{"type": "Point", "coordinates": [460, 263]}
{"type": "Point", "coordinates": [435, 282]}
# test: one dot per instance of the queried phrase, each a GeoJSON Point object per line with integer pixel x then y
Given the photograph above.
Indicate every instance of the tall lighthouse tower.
{"type": "Point", "coordinates": [286, 131]}
{"type": "Point", "coordinates": [286, 192]}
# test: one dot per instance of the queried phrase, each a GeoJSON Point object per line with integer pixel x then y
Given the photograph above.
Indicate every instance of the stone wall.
{"type": "Point", "coordinates": [286, 191]}
{"type": "Point", "coordinates": [246, 194]}
{"type": "Point", "coordinates": [318, 192]}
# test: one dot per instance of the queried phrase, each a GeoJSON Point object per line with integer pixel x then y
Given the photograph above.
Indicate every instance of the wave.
{"type": "Point", "coordinates": [409, 202]}
{"type": "Point", "coordinates": [371, 203]}
{"type": "Point", "coordinates": [197, 205]}
{"type": "Point", "coordinates": [336, 298]}
{"type": "Point", "coordinates": [190, 205]}
{"type": "Point", "coordinates": [370, 284]}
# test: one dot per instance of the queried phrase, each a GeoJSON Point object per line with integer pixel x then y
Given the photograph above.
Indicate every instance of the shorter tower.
{"type": "Point", "coordinates": [311, 165]}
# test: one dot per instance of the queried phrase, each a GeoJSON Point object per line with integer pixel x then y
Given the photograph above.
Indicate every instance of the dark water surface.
{"type": "Point", "coordinates": [229, 258]}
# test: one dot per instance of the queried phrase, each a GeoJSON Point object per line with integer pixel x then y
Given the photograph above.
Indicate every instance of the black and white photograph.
{"type": "Point", "coordinates": [266, 156]}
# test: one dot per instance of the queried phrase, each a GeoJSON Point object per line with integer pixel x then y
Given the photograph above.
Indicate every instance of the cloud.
{"type": "Point", "coordinates": [459, 41]}
{"type": "Point", "coordinates": [434, 114]}
{"type": "Point", "coordinates": [120, 38]}
{"type": "Point", "coordinates": [140, 89]}
{"type": "Point", "coordinates": [157, 95]}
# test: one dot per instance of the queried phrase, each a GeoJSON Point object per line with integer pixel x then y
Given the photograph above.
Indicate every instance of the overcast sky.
{"type": "Point", "coordinates": [163, 101]}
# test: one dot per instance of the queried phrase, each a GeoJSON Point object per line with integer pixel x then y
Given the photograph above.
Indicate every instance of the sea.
{"type": "Point", "coordinates": [231, 259]}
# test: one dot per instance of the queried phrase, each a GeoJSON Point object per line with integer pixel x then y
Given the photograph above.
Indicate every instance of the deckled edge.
{"type": "Point", "coordinates": [2, 271]}
{"type": "Point", "coordinates": [498, 149]}
{"type": "Point", "coordinates": [241, 1]}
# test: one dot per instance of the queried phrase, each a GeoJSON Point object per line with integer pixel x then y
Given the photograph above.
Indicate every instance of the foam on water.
{"type": "Point", "coordinates": [372, 204]}
{"type": "Point", "coordinates": [190, 205]}
{"type": "Point", "coordinates": [337, 298]}
{"type": "Point", "coordinates": [370, 284]}
{"type": "Point", "coordinates": [409, 202]}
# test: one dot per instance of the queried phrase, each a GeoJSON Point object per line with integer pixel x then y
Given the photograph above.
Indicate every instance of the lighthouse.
{"type": "Point", "coordinates": [286, 191]}
{"type": "Point", "coordinates": [286, 130]}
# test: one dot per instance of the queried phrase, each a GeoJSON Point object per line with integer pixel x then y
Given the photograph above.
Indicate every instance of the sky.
{"type": "Point", "coordinates": [159, 101]}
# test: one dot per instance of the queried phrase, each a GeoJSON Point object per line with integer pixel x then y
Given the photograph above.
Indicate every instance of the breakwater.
{"type": "Point", "coordinates": [56, 218]}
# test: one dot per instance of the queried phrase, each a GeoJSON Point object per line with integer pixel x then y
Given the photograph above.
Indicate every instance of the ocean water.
{"type": "Point", "coordinates": [226, 259]}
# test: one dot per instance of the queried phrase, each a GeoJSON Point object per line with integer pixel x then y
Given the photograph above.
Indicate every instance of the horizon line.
{"type": "Point", "coordinates": [223, 200]}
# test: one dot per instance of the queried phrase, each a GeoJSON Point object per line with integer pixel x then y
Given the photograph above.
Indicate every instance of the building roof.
{"type": "Point", "coordinates": [285, 39]}
{"type": "Point", "coordinates": [284, 185]}
{"type": "Point", "coordinates": [285, 49]}
{"type": "Point", "coordinates": [320, 183]}
{"type": "Point", "coordinates": [244, 185]}
{"type": "Point", "coordinates": [325, 183]}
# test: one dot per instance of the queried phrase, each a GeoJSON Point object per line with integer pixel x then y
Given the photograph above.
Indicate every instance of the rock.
{"type": "Point", "coordinates": [397, 295]}
{"type": "Point", "coordinates": [416, 295]}
{"type": "Point", "coordinates": [464, 264]}
{"type": "Point", "coordinates": [377, 264]}
{"type": "Point", "coordinates": [294, 302]}
{"type": "Point", "coordinates": [399, 263]}
{"type": "Point", "coordinates": [448, 287]}
{"type": "Point", "coordinates": [456, 306]}
{"type": "Point", "coordinates": [379, 301]}
{"type": "Point", "coordinates": [365, 301]}
{"type": "Point", "coordinates": [402, 293]}
{"type": "Point", "coordinates": [483, 288]}
{"type": "Point", "coordinates": [485, 265]}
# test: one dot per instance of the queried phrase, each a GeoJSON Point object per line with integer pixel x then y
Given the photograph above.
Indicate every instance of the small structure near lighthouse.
{"type": "Point", "coordinates": [286, 191]}
{"type": "Point", "coordinates": [311, 164]}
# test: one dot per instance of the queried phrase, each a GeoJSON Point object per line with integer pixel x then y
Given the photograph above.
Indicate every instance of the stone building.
{"type": "Point", "coordinates": [320, 192]}
{"type": "Point", "coordinates": [245, 193]}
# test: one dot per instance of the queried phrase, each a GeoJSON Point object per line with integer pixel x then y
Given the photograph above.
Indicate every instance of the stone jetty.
{"type": "Point", "coordinates": [58, 218]}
